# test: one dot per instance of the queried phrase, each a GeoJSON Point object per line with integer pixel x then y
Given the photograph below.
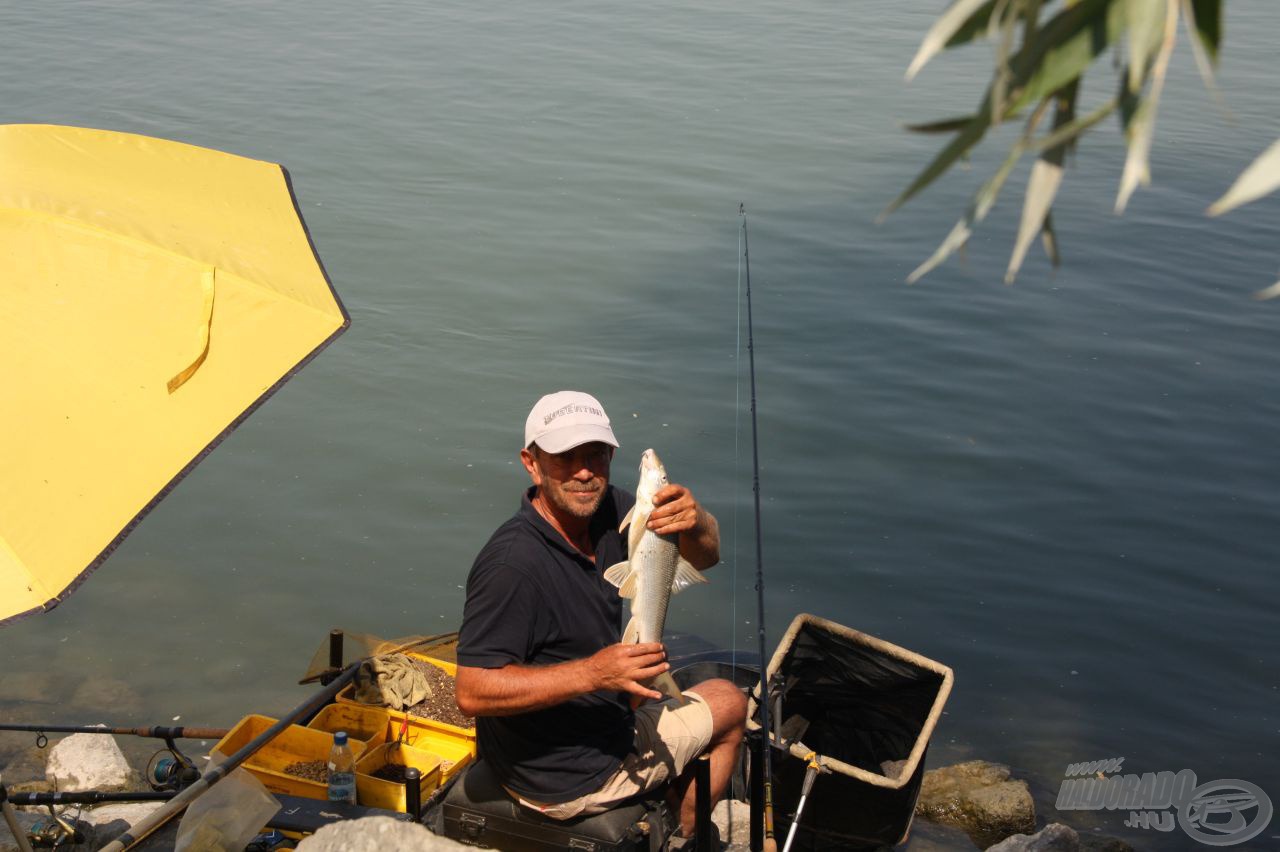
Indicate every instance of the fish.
{"type": "Point", "coordinates": [654, 570]}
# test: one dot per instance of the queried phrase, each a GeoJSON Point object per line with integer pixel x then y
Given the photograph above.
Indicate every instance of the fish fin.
{"type": "Point", "coordinates": [632, 634]}
{"type": "Point", "coordinates": [638, 522]}
{"type": "Point", "coordinates": [626, 520]}
{"type": "Point", "coordinates": [667, 685]}
{"type": "Point", "coordinates": [624, 578]}
{"type": "Point", "coordinates": [617, 574]}
{"type": "Point", "coordinates": [686, 576]}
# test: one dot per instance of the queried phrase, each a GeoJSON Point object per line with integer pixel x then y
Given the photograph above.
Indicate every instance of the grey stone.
{"type": "Point", "coordinates": [1054, 837]}
{"type": "Point", "coordinates": [375, 834]}
{"type": "Point", "coordinates": [89, 762]}
{"type": "Point", "coordinates": [733, 820]}
{"type": "Point", "coordinates": [980, 799]}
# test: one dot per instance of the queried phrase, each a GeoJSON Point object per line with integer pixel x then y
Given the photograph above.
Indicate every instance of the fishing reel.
{"type": "Point", "coordinates": [170, 769]}
{"type": "Point", "coordinates": [55, 831]}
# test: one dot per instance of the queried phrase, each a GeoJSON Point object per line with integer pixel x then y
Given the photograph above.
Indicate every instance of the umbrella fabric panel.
{"type": "Point", "coordinates": [218, 209]}
{"type": "Point", "coordinates": [98, 323]}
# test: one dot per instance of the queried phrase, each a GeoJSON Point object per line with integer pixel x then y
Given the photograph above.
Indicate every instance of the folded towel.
{"type": "Point", "coordinates": [391, 681]}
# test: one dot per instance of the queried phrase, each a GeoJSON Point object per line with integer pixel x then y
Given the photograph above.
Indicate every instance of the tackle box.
{"type": "Point", "coordinates": [455, 746]}
{"type": "Point", "coordinates": [375, 792]}
{"type": "Point", "coordinates": [360, 721]}
{"type": "Point", "coordinates": [295, 744]}
{"type": "Point", "coordinates": [477, 811]}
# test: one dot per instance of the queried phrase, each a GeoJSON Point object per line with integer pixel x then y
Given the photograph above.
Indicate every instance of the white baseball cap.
{"type": "Point", "coordinates": [566, 419]}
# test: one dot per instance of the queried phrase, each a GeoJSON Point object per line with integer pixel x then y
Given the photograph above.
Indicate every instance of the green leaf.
{"type": "Point", "coordinates": [1146, 26]}
{"type": "Point", "coordinates": [1072, 130]}
{"type": "Point", "coordinates": [948, 23]}
{"type": "Point", "coordinates": [1207, 17]}
{"type": "Point", "coordinates": [982, 202]}
{"type": "Point", "coordinates": [1064, 48]}
{"type": "Point", "coordinates": [1261, 177]}
{"type": "Point", "coordinates": [1042, 186]}
{"type": "Point", "coordinates": [1205, 50]}
{"type": "Point", "coordinates": [957, 148]}
{"type": "Point", "coordinates": [1050, 239]}
{"type": "Point", "coordinates": [946, 125]}
{"type": "Point", "coordinates": [974, 28]}
{"type": "Point", "coordinates": [1137, 168]}
{"type": "Point", "coordinates": [1004, 27]}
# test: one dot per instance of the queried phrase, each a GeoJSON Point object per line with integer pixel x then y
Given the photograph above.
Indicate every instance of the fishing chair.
{"type": "Point", "coordinates": [478, 811]}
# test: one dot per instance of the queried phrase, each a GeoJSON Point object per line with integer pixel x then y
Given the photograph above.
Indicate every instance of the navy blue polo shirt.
{"type": "Point", "coordinates": [534, 599]}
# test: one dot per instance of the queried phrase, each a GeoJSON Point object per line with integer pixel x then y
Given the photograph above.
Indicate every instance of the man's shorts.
{"type": "Point", "coordinates": [668, 737]}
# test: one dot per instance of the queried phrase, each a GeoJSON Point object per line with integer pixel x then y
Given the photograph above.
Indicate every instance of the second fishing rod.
{"type": "Point", "coordinates": [762, 829]}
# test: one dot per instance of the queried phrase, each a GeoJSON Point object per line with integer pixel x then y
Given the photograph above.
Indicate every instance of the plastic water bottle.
{"type": "Point", "coordinates": [342, 771]}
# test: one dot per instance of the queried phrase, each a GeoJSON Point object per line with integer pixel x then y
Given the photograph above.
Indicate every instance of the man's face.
{"type": "Point", "coordinates": [573, 482]}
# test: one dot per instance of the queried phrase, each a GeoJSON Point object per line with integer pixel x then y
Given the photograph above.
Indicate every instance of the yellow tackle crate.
{"type": "Point", "coordinates": [455, 746]}
{"type": "Point", "coordinates": [374, 792]}
{"type": "Point", "coordinates": [292, 745]}
{"type": "Point", "coordinates": [362, 723]}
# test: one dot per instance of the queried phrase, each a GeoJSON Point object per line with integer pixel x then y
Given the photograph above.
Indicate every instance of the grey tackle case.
{"type": "Point", "coordinates": [477, 811]}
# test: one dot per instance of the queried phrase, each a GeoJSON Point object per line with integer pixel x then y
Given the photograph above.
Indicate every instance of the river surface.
{"type": "Point", "coordinates": [1065, 489]}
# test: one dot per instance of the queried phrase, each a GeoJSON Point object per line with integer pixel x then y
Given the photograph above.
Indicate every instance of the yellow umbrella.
{"type": "Point", "coordinates": [152, 294]}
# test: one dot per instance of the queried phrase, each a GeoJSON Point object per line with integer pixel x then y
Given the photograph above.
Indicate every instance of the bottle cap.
{"type": "Point", "coordinates": [340, 738]}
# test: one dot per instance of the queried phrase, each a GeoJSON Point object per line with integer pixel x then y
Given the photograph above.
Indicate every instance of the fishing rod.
{"type": "Point", "coordinates": [155, 732]}
{"type": "Point", "coordinates": [163, 772]}
{"type": "Point", "coordinates": [139, 830]}
{"type": "Point", "coordinates": [770, 844]}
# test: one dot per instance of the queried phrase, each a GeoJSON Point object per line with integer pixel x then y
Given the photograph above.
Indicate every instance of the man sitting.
{"type": "Point", "coordinates": [540, 664]}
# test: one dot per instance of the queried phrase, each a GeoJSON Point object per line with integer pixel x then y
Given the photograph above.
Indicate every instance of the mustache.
{"type": "Point", "coordinates": [583, 489]}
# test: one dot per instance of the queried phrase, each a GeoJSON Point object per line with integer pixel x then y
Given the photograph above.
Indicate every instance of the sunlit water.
{"type": "Point", "coordinates": [1065, 489]}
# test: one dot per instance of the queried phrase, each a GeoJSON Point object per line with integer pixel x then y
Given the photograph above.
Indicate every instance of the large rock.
{"type": "Point", "coordinates": [1054, 837]}
{"type": "Point", "coordinates": [980, 799]}
{"type": "Point", "coordinates": [733, 820]}
{"type": "Point", "coordinates": [89, 762]}
{"type": "Point", "coordinates": [375, 834]}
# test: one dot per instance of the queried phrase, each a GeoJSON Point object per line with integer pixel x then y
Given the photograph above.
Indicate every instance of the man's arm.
{"type": "Point", "coordinates": [519, 689]}
{"type": "Point", "coordinates": [676, 511]}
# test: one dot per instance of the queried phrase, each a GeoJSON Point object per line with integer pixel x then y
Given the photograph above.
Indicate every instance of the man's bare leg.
{"type": "Point", "coordinates": [728, 720]}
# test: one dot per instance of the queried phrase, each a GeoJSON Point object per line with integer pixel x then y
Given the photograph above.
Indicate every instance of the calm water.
{"type": "Point", "coordinates": [1064, 489]}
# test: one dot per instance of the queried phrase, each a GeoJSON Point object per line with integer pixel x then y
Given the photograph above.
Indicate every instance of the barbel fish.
{"type": "Point", "coordinates": [654, 570]}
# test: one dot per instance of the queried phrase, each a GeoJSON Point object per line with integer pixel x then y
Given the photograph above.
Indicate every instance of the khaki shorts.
{"type": "Point", "coordinates": [668, 737]}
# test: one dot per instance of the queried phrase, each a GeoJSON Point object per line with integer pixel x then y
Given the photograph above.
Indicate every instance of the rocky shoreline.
{"type": "Point", "coordinates": [972, 805]}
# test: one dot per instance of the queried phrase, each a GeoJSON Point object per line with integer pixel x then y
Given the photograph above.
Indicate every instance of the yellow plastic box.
{"type": "Point", "coordinates": [362, 722]}
{"type": "Point", "coordinates": [379, 793]}
{"type": "Point", "coordinates": [455, 746]}
{"type": "Point", "coordinates": [295, 743]}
